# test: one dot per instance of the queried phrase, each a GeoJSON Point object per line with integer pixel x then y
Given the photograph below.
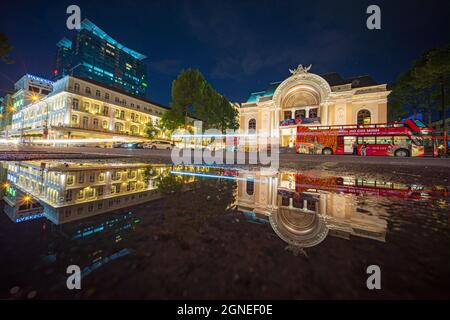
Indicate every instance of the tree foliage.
{"type": "Point", "coordinates": [194, 98]}
{"type": "Point", "coordinates": [5, 49]}
{"type": "Point", "coordinates": [151, 131]}
{"type": "Point", "coordinates": [424, 87]}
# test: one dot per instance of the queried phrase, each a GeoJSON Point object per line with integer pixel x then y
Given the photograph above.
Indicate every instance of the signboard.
{"type": "Point", "coordinates": [297, 121]}
{"type": "Point", "coordinates": [356, 132]}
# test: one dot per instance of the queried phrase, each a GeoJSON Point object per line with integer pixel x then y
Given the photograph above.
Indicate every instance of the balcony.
{"type": "Point", "coordinates": [299, 121]}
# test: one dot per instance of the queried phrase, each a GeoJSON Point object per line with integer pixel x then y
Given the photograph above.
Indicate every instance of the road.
{"type": "Point", "coordinates": [165, 155]}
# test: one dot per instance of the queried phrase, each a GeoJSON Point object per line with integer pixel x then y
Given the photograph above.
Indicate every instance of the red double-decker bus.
{"type": "Point", "coordinates": [401, 139]}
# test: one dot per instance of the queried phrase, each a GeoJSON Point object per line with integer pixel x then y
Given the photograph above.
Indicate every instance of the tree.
{"type": "Point", "coordinates": [5, 49]}
{"type": "Point", "coordinates": [226, 115]}
{"type": "Point", "coordinates": [425, 85]}
{"type": "Point", "coordinates": [186, 93]}
{"type": "Point", "coordinates": [151, 131]}
{"type": "Point", "coordinates": [168, 184]}
{"type": "Point", "coordinates": [194, 97]}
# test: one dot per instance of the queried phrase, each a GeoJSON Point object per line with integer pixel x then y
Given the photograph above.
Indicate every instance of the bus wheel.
{"type": "Point", "coordinates": [402, 153]}
{"type": "Point", "coordinates": [327, 151]}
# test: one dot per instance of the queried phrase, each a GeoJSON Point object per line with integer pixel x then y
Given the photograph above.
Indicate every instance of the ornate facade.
{"type": "Point", "coordinates": [310, 99]}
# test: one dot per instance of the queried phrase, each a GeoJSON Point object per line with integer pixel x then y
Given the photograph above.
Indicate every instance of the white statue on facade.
{"type": "Point", "coordinates": [300, 69]}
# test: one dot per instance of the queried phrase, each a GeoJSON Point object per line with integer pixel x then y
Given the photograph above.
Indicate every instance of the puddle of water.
{"type": "Point", "coordinates": [157, 231]}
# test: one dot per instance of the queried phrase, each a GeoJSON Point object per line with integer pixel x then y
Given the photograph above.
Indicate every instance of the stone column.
{"type": "Point", "coordinates": [324, 113]}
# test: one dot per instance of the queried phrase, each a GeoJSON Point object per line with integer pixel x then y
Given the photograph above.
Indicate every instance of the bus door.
{"type": "Point", "coordinates": [349, 143]}
{"type": "Point", "coordinates": [428, 146]}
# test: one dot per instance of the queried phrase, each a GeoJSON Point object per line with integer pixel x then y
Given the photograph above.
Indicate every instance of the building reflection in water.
{"type": "Point", "coordinates": [304, 209]}
{"type": "Point", "coordinates": [69, 191]}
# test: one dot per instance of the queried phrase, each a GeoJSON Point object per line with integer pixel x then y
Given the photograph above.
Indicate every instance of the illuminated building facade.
{"type": "Point", "coordinates": [69, 191]}
{"type": "Point", "coordinates": [83, 108]}
{"type": "Point", "coordinates": [306, 99]}
{"type": "Point", "coordinates": [303, 211]}
{"type": "Point", "coordinates": [93, 54]}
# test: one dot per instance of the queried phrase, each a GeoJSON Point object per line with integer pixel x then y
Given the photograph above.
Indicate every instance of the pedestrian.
{"type": "Point", "coordinates": [355, 148]}
{"type": "Point", "coordinates": [364, 149]}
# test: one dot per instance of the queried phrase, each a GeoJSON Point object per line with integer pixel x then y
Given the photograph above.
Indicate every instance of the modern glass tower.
{"type": "Point", "coordinates": [93, 54]}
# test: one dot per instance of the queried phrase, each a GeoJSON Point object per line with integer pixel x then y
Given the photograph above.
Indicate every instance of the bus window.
{"type": "Point", "coordinates": [384, 140]}
{"type": "Point", "coordinates": [370, 140]}
{"type": "Point", "coordinates": [419, 123]}
{"type": "Point", "coordinates": [417, 141]}
{"type": "Point", "coordinates": [401, 140]}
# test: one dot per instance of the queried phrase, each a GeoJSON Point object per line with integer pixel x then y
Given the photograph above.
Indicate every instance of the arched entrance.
{"type": "Point", "coordinates": [364, 117]}
{"type": "Point", "coordinates": [299, 99]}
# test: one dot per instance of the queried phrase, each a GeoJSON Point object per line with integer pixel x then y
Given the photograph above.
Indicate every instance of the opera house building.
{"type": "Point", "coordinates": [306, 99]}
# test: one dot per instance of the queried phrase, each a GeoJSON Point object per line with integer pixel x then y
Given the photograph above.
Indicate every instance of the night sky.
{"type": "Point", "coordinates": [240, 46]}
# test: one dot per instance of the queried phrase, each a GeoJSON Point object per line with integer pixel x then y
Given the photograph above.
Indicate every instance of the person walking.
{"type": "Point", "coordinates": [364, 149]}
{"type": "Point", "coordinates": [355, 148]}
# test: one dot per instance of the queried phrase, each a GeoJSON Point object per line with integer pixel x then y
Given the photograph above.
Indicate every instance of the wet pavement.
{"type": "Point", "coordinates": [153, 231]}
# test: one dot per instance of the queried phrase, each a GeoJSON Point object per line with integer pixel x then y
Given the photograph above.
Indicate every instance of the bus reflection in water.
{"type": "Point", "coordinates": [304, 209]}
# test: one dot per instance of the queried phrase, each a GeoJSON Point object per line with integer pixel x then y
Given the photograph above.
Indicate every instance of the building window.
{"type": "Point", "coordinates": [134, 130]}
{"type": "Point", "coordinates": [287, 115]}
{"type": "Point", "coordinates": [105, 124]}
{"type": "Point", "coordinates": [97, 93]}
{"type": "Point", "coordinates": [69, 195]}
{"type": "Point", "coordinates": [300, 114]}
{"type": "Point", "coordinates": [95, 122]}
{"type": "Point", "coordinates": [364, 116]}
{"type": "Point", "coordinates": [122, 114]}
{"type": "Point", "coordinates": [86, 106]}
{"type": "Point", "coordinates": [70, 180]}
{"type": "Point", "coordinates": [250, 187]}
{"type": "Point", "coordinates": [74, 119]}
{"type": "Point", "coordinates": [77, 87]}
{"type": "Point", "coordinates": [116, 100]}
{"type": "Point", "coordinates": [105, 111]}
{"type": "Point", "coordinates": [118, 127]}
{"type": "Point", "coordinates": [87, 90]}
{"type": "Point", "coordinates": [75, 104]}
{"type": "Point", "coordinates": [106, 96]}
{"type": "Point", "coordinates": [85, 122]}
{"type": "Point", "coordinates": [252, 125]}
{"type": "Point", "coordinates": [312, 113]}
